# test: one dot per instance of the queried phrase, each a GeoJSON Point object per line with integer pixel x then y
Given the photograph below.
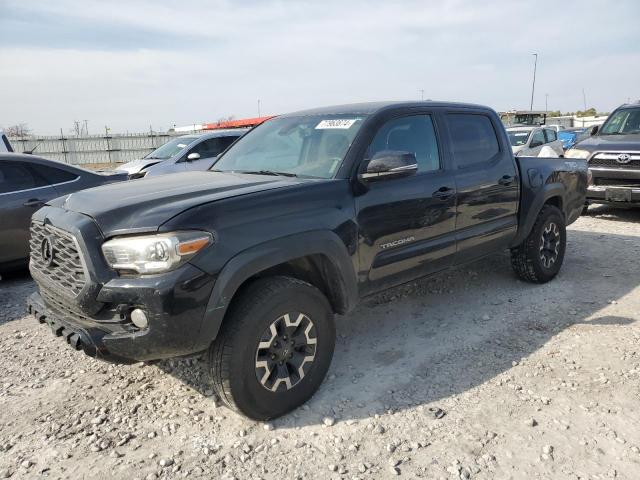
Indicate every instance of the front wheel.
{"type": "Point", "coordinates": [539, 258]}
{"type": "Point", "coordinates": [274, 348]}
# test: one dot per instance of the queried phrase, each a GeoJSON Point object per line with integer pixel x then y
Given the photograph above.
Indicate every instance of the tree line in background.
{"type": "Point", "coordinates": [589, 112]}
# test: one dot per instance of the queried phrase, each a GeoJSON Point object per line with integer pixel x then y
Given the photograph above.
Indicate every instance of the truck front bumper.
{"type": "Point", "coordinates": [613, 195]}
{"type": "Point", "coordinates": [615, 186]}
{"type": "Point", "coordinates": [174, 304]}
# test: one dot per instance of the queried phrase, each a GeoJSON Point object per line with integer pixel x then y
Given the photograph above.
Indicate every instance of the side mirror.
{"type": "Point", "coordinates": [594, 129]}
{"type": "Point", "coordinates": [193, 156]}
{"type": "Point", "coordinates": [390, 164]}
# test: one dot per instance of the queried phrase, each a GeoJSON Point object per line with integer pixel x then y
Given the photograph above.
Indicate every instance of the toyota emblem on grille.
{"type": "Point", "coordinates": [623, 158]}
{"type": "Point", "coordinates": [46, 250]}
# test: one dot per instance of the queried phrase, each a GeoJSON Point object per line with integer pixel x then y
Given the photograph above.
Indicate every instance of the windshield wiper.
{"type": "Point", "coordinates": [268, 172]}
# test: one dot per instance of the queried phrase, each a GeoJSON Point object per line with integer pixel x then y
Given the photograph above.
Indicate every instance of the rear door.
{"type": "Point", "coordinates": [486, 182]}
{"type": "Point", "coordinates": [22, 192]}
{"type": "Point", "coordinates": [407, 224]}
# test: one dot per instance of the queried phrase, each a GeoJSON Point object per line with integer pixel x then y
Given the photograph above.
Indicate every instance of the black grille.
{"type": "Point", "coordinates": [611, 163]}
{"type": "Point", "coordinates": [62, 307]}
{"type": "Point", "coordinates": [63, 269]}
{"type": "Point", "coordinates": [622, 182]}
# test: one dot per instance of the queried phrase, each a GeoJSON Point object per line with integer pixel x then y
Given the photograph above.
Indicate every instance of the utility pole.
{"type": "Point", "coordinates": [533, 86]}
{"type": "Point", "coordinates": [64, 146]}
{"type": "Point", "coordinates": [421, 94]}
{"type": "Point", "coordinates": [258, 108]}
{"type": "Point", "coordinates": [546, 102]}
{"type": "Point", "coordinates": [584, 100]}
{"type": "Point", "coordinates": [86, 127]}
{"type": "Point", "coordinates": [106, 137]}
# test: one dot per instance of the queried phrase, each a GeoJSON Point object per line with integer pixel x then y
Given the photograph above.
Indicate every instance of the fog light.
{"type": "Point", "coordinates": [139, 318]}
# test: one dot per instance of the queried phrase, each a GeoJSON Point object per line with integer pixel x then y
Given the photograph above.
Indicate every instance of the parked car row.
{"type": "Point", "coordinates": [613, 155]}
{"type": "Point", "coordinates": [185, 153]}
{"type": "Point", "coordinates": [300, 219]}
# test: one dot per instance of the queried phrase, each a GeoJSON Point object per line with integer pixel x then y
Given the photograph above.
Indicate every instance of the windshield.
{"type": "Point", "coordinates": [172, 148]}
{"type": "Point", "coordinates": [622, 122]}
{"type": "Point", "coordinates": [518, 137]}
{"type": "Point", "coordinates": [309, 146]}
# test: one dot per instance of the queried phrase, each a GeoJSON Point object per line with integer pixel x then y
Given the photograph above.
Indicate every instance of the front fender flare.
{"type": "Point", "coordinates": [269, 254]}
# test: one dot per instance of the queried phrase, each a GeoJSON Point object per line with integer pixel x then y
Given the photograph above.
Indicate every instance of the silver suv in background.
{"type": "Point", "coordinates": [5, 146]}
{"type": "Point", "coordinates": [531, 141]}
{"type": "Point", "coordinates": [185, 153]}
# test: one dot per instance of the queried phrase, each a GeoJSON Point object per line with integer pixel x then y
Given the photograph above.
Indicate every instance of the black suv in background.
{"type": "Point", "coordinates": [299, 219]}
{"type": "Point", "coordinates": [613, 153]}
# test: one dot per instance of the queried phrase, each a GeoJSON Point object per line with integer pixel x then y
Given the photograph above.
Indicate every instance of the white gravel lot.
{"type": "Point", "coordinates": [535, 382]}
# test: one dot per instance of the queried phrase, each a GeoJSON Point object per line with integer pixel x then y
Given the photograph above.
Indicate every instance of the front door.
{"type": "Point", "coordinates": [535, 144]}
{"type": "Point", "coordinates": [406, 225]}
{"type": "Point", "coordinates": [208, 150]}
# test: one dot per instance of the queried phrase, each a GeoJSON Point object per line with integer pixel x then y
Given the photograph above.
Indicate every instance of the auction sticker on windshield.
{"type": "Point", "coordinates": [343, 123]}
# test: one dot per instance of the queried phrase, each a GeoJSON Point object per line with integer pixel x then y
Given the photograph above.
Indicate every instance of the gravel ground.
{"type": "Point", "coordinates": [472, 374]}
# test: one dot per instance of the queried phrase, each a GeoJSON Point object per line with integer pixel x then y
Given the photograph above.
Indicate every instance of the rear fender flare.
{"type": "Point", "coordinates": [531, 208]}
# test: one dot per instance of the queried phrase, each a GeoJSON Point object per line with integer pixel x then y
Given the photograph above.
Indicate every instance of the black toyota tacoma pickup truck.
{"type": "Point", "coordinates": [613, 153]}
{"type": "Point", "coordinates": [298, 220]}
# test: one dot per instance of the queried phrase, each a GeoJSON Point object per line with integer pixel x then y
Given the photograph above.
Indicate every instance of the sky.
{"type": "Point", "coordinates": [141, 64]}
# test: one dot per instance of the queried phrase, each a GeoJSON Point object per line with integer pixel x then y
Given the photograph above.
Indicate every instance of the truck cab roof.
{"type": "Point", "coordinates": [370, 108]}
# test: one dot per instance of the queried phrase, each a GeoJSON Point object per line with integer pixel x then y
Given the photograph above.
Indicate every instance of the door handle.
{"type": "Point", "coordinates": [444, 193]}
{"type": "Point", "coordinates": [506, 180]}
{"type": "Point", "coordinates": [33, 202]}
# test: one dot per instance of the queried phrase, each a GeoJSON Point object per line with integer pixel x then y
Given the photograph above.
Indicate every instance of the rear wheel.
{"type": "Point", "coordinates": [539, 258]}
{"type": "Point", "coordinates": [274, 347]}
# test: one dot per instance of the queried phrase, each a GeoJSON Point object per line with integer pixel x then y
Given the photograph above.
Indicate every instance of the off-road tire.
{"type": "Point", "coordinates": [526, 258]}
{"type": "Point", "coordinates": [233, 355]}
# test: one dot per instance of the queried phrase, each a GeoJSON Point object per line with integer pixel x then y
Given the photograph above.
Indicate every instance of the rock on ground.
{"type": "Point", "coordinates": [537, 381]}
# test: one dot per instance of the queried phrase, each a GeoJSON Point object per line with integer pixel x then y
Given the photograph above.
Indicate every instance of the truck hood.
{"type": "Point", "coordinates": [611, 143]}
{"type": "Point", "coordinates": [143, 205]}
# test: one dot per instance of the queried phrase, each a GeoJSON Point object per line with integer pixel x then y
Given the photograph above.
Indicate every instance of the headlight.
{"type": "Point", "coordinates": [576, 153]}
{"type": "Point", "coordinates": [136, 175]}
{"type": "Point", "coordinates": [154, 253]}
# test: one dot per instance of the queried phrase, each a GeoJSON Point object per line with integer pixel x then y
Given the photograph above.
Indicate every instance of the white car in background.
{"type": "Point", "coordinates": [539, 141]}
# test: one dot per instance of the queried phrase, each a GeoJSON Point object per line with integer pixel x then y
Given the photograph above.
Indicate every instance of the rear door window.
{"type": "Point", "coordinates": [53, 175]}
{"type": "Point", "coordinates": [473, 139]}
{"type": "Point", "coordinates": [15, 177]}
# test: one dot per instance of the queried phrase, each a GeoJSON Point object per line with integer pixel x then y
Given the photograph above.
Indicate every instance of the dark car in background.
{"type": "Point", "coordinates": [26, 183]}
{"type": "Point", "coordinates": [570, 136]}
{"type": "Point", "coordinates": [613, 154]}
{"type": "Point", "coordinates": [183, 154]}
